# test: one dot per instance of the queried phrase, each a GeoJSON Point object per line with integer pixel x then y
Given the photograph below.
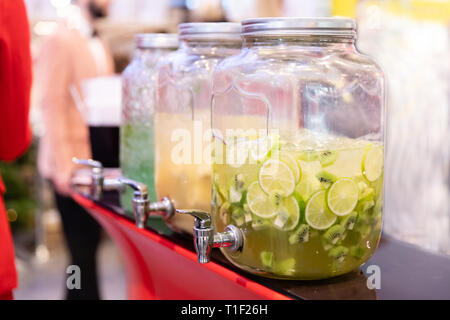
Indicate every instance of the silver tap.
{"type": "Point", "coordinates": [205, 238]}
{"type": "Point", "coordinates": [97, 175]}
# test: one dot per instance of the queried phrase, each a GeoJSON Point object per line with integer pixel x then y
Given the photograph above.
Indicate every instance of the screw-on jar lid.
{"type": "Point", "coordinates": [298, 26]}
{"type": "Point", "coordinates": [210, 31]}
{"type": "Point", "coordinates": [156, 40]}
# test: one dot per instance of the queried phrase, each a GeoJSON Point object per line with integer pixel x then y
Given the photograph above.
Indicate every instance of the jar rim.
{"type": "Point", "coordinates": [291, 26]}
{"type": "Point", "coordinates": [210, 31]}
{"type": "Point", "coordinates": [156, 40]}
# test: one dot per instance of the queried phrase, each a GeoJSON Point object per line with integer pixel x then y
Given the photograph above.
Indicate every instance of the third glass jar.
{"type": "Point", "coordinates": [298, 124]}
{"type": "Point", "coordinates": [183, 115]}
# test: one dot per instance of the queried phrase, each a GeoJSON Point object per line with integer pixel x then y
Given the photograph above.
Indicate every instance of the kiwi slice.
{"type": "Point", "coordinates": [276, 198]}
{"type": "Point", "coordinates": [326, 178]}
{"type": "Point", "coordinates": [238, 182]}
{"type": "Point", "coordinates": [267, 259]}
{"type": "Point", "coordinates": [357, 252]}
{"type": "Point", "coordinates": [259, 223]}
{"type": "Point", "coordinates": [285, 267]}
{"type": "Point", "coordinates": [327, 158]}
{"type": "Point", "coordinates": [338, 253]}
{"type": "Point", "coordinates": [334, 234]}
{"type": "Point", "coordinates": [300, 235]}
{"type": "Point", "coordinates": [348, 221]}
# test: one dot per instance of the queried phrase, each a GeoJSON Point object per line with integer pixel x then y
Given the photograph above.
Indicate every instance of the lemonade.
{"type": "Point", "coordinates": [183, 176]}
{"type": "Point", "coordinates": [310, 207]}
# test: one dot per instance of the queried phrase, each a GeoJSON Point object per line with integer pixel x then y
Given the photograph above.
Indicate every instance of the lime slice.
{"type": "Point", "coordinates": [288, 214]}
{"type": "Point", "coordinates": [292, 164]}
{"type": "Point", "coordinates": [317, 214]}
{"type": "Point", "coordinates": [259, 202]}
{"type": "Point", "coordinates": [259, 148]}
{"type": "Point", "coordinates": [342, 196]}
{"type": "Point", "coordinates": [372, 164]}
{"type": "Point", "coordinates": [276, 177]}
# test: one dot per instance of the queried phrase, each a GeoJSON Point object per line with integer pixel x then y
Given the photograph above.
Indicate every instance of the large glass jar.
{"type": "Point", "coordinates": [183, 115]}
{"type": "Point", "coordinates": [138, 104]}
{"type": "Point", "coordinates": [298, 125]}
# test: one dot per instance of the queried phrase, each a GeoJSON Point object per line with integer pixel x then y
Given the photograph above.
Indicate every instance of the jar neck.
{"type": "Point", "coordinates": [327, 42]}
{"type": "Point", "coordinates": [210, 47]}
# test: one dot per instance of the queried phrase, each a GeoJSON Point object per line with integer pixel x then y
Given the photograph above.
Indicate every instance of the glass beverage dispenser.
{"type": "Point", "coordinates": [138, 104]}
{"type": "Point", "coordinates": [182, 118]}
{"type": "Point", "coordinates": [298, 126]}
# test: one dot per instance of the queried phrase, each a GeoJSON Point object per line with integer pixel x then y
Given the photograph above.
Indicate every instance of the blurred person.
{"type": "Point", "coordinates": [15, 134]}
{"type": "Point", "coordinates": [71, 55]}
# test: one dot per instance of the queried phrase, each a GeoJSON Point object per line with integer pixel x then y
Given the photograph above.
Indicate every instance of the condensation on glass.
{"type": "Point", "coordinates": [298, 127]}
{"type": "Point", "coordinates": [138, 105]}
{"type": "Point", "coordinates": [182, 118]}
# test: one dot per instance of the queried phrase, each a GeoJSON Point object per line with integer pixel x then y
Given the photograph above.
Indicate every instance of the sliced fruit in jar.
{"type": "Point", "coordinates": [260, 223]}
{"type": "Point", "coordinates": [342, 196]}
{"type": "Point", "coordinates": [372, 163]}
{"type": "Point", "coordinates": [259, 202]}
{"type": "Point", "coordinates": [237, 216]}
{"type": "Point", "coordinates": [327, 158]}
{"type": "Point", "coordinates": [291, 163]}
{"type": "Point", "coordinates": [276, 176]}
{"type": "Point", "coordinates": [348, 221]}
{"type": "Point", "coordinates": [300, 235]}
{"type": "Point", "coordinates": [267, 259]}
{"type": "Point", "coordinates": [334, 234]}
{"type": "Point", "coordinates": [285, 267]}
{"type": "Point", "coordinates": [288, 214]}
{"type": "Point", "coordinates": [308, 185]}
{"type": "Point", "coordinates": [357, 252]}
{"type": "Point", "coordinates": [338, 253]}
{"type": "Point", "coordinates": [317, 214]}
{"type": "Point", "coordinates": [326, 178]}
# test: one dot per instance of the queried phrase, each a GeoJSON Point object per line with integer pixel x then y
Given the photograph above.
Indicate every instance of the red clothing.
{"type": "Point", "coordinates": [15, 134]}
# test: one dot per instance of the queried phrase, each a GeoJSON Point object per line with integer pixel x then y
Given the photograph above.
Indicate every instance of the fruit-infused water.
{"type": "Point", "coordinates": [310, 207]}
{"type": "Point", "coordinates": [183, 163]}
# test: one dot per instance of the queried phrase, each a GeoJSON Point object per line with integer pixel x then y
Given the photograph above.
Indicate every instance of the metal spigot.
{"type": "Point", "coordinates": [205, 238]}
{"type": "Point", "coordinates": [97, 174]}
{"type": "Point", "coordinates": [142, 207]}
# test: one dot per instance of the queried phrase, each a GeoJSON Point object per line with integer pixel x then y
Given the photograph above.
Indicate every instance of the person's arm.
{"type": "Point", "coordinates": [53, 79]}
{"type": "Point", "coordinates": [15, 79]}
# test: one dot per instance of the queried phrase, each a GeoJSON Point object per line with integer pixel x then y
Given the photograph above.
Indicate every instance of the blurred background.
{"type": "Point", "coordinates": [409, 39]}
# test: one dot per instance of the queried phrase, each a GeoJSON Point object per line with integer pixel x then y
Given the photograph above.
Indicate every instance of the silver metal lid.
{"type": "Point", "coordinates": [156, 40]}
{"type": "Point", "coordinates": [210, 31]}
{"type": "Point", "coordinates": [298, 26]}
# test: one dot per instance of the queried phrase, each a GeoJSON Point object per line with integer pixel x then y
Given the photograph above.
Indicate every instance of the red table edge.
{"type": "Point", "coordinates": [224, 272]}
